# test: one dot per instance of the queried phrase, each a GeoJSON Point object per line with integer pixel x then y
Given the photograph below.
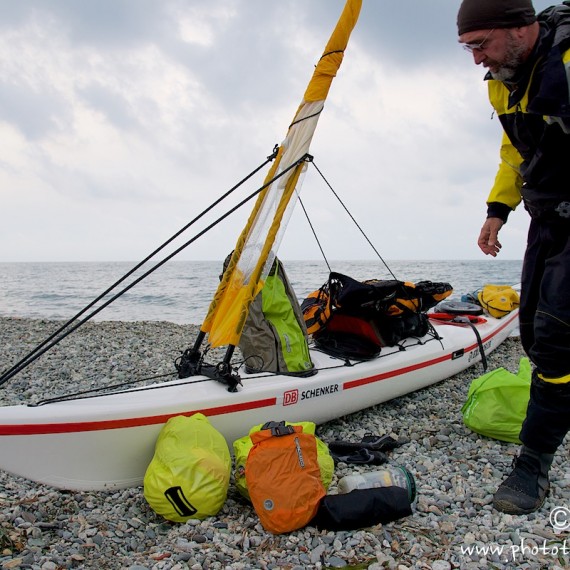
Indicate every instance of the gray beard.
{"type": "Point", "coordinates": [504, 74]}
{"type": "Point", "coordinates": [515, 56]}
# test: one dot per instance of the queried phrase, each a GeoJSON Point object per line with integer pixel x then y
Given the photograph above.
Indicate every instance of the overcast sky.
{"type": "Point", "coordinates": [121, 120]}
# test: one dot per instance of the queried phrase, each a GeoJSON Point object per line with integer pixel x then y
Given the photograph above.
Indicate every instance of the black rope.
{"type": "Point", "coordinates": [405, 291]}
{"type": "Point", "coordinates": [331, 52]}
{"type": "Point", "coordinates": [96, 392]}
{"type": "Point", "coordinates": [355, 222]}
{"type": "Point", "coordinates": [310, 158]}
{"type": "Point", "coordinates": [52, 341]}
{"type": "Point", "coordinates": [300, 120]}
{"type": "Point", "coordinates": [314, 233]}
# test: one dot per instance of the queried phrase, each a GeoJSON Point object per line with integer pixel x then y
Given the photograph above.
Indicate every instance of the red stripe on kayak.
{"type": "Point", "coordinates": [420, 365]}
{"type": "Point", "coordinates": [504, 325]}
{"type": "Point", "coordinates": [392, 373]}
{"type": "Point", "coordinates": [43, 429]}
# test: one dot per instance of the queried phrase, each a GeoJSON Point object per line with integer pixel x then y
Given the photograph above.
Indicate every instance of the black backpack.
{"type": "Point", "coordinates": [366, 315]}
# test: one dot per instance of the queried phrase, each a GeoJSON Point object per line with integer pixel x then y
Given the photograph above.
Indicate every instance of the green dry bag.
{"type": "Point", "coordinates": [274, 337]}
{"type": "Point", "coordinates": [497, 402]}
{"type": "Point", "coordinates": [189, 475]}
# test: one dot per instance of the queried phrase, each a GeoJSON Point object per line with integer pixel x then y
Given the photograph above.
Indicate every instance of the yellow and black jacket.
{"type": "Point", "coordinates": [534, 111]}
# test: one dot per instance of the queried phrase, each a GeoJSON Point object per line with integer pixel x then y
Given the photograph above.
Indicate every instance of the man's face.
{"type": "Point", "coordinates": [501, 51]}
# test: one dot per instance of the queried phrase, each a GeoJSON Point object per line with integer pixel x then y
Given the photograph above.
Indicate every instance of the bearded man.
{"type": "Point", "coordinates": [528, 62]}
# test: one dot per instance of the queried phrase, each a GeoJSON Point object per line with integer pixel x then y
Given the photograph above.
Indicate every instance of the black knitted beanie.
{"type": "Point", "coordinates": [488, 14]}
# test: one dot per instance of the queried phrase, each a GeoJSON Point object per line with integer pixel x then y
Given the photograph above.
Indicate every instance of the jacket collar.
{"type": "Point", "coordinates": [552, 96]}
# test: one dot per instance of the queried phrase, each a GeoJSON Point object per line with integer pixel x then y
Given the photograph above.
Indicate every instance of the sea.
{"type": "Point", "coordinates": [181, 291]}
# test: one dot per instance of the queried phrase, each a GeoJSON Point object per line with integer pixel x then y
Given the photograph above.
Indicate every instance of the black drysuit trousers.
{"type": "Point", "coordinates": [545, 332]}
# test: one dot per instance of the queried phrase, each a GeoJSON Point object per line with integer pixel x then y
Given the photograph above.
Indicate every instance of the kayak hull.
{"type": "Point", "coordinates": [107, 442]}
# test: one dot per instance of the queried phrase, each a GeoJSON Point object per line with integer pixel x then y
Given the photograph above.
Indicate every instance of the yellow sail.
{"type": "Point", "coordinates": [257, 245]}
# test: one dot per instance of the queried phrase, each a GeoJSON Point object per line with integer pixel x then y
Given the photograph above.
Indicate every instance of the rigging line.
{"type": "Point", "coordinates": [101, 391]}
{"type": "Point", "coordinates": [87, 394]}
{"type": "Point", "coordinates": [355, 222]}
{"type": "Point", "coordinates": [93, 393]}
{"type": "Point", "coordinates": [35, 354]}
{"type": "Point", "coordinates": [141, 263]}
{"type": "Point", "coordinates": [314, 232]}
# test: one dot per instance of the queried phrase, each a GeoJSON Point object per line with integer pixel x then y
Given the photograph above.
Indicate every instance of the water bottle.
{"type": "Point", "coordinates": [367, 499]}
{"type": "Point", "coordinates": [389, 477]}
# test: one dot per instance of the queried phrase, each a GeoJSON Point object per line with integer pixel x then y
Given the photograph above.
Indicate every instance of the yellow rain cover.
{"type": "Point", "coordinates": [259, 241]}
{"type": "Point", "coordinates": [189, 475]}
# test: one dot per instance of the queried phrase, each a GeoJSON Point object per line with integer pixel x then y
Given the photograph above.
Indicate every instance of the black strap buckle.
{"type": "Point", "coordinates": [278, 428]}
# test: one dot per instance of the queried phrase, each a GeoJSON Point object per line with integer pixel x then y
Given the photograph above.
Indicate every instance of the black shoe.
{"type": "Point", "coordinates": [360, 457]}
{"type": "Point", "coordinates": [379, 442]}
{"type": "Point", "coordinates": [526, 488]}
{"type": "Point", "coordinates": [369, 441]}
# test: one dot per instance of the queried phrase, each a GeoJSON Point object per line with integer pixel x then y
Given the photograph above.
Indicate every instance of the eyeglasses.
{"type": "Point", "coordinates": [478, 46]}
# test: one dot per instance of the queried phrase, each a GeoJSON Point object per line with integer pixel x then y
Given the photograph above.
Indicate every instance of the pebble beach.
{"type": "Point", "coordinates": [453, 524]}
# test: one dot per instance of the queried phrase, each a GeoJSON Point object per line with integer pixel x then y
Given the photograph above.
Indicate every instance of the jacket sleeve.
{"type": "Point", "coordinates": [505, 194]}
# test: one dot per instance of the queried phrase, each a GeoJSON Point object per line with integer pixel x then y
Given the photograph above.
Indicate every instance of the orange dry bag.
{"type": "Point", "coordinates": [283, 477]}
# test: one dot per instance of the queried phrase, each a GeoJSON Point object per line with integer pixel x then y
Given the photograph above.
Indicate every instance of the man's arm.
{"type": "Point", "coordinates": [504, 197]}
{"type": "Point", "coordinates": [506, 190]}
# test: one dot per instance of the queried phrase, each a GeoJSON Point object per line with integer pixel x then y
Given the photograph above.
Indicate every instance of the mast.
{"type": "Point", "coordinates": [257, 244]}
{"type": "Point", "coordinates": [256, 247]}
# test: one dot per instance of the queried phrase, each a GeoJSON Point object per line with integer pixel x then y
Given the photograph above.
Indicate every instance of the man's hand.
{"type": "Point", "coordinates": [488, 238]}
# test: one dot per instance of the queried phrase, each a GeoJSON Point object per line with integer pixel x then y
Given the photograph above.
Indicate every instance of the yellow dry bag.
{"type": "Point", "coordinates": [189, 475]}
{"type": "Point", "coordinates": [498, 300]}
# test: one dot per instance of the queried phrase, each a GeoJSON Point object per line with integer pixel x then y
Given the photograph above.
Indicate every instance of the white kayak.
{"type": "Point", "coordinates": [107, 441]}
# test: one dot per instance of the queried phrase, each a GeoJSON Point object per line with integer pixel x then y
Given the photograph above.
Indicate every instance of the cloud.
{"type": "Point", "coordinates": [123, 120]}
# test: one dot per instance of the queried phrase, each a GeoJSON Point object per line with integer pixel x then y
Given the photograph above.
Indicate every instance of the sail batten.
{"type": "Point", "coordinates": [258, 242]}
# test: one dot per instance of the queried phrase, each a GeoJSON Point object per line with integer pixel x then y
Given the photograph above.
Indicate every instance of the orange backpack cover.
{"type": "Point", "coordinates": [283, 477]}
